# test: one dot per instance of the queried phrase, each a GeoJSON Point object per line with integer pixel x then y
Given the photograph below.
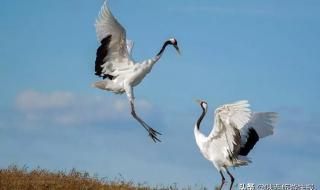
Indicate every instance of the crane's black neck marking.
{"type": "Point", "coordinates": [252, 139]}
{"type": "Point", "coordinates": [102, 52]}
{"type": "Point", "coordinates": [201, 117]}
{"type": "Point", "coordinates": [168, 42]}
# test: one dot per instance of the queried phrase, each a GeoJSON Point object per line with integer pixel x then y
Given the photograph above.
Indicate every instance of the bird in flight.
{"type": "Point", "coordinates": [235, 132]}
{"type": "Point", "coordinates": [114, 64]}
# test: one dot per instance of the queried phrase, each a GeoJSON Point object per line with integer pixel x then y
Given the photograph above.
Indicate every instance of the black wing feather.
{"type": "Point", "coordinates": [252, 139]}
{"type": "Point", "coordinates": [102, 52]}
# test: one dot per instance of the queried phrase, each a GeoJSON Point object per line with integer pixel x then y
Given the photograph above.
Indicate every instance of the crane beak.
{"type": "Point", "coordinates": [177, 48]}
{"type": "Point", "coordinates": [198, 101]}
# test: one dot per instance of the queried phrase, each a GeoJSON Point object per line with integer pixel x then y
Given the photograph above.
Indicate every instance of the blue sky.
{"type": "Point", "coordinates": [266, 52]}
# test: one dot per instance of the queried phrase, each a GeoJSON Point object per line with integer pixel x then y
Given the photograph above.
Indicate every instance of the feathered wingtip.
{"type": "Point", "coordinates": [103, 20]}
{"type": "Point", "coordinates": [241, 103]}
{"type": "Point", "coordinates": [263, 123]}
{"type": "Point", "coordinates": [273, 116]}
{"type": "Point", "coordinates": [237, 104]}
{"type": "Point", "coordinates": [104, 11]}
{"type": "Point", "coordinates": [271, 119]}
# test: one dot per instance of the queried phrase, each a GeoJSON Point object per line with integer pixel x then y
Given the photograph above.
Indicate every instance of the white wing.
{"type": "Point", "coordinates": [229, 119]}
{"type": "Point", "coordinates": [236, 114]}
{"type": "Point", "coordinates": [113, 53]}
{"type": "Point", "coordinates": [262, 122]}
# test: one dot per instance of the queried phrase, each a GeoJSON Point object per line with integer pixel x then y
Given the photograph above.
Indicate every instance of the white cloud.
{"type": "Point", "coordinates": [33, 100]}
{"type": "Point", "coordinates": [67, 108]}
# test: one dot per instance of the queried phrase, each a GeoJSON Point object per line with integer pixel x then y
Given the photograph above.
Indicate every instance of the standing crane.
{"type": "Point", "coordinates": [114, 64]}
{"type": "Point", "coordinates": [236, 130]}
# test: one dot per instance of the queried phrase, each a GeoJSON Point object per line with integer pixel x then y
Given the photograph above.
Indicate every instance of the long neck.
{"type": "Point", "coordinates": [163, 48]}
{"type": "Point", "coordinates": [200, 138]}
{"type": "Point", "coordinates": [200, 118]}
{"type": "Point", "coordinates": [158, 56]}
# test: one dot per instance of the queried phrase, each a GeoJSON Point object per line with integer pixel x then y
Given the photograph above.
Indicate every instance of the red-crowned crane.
{"type": "Point", "coordinates": [235, 132]}
{"type": "Point", "coordinates": [114, 63]}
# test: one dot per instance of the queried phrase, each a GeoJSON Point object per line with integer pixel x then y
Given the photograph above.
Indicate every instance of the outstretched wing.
{"type": "Point", "coordinates": [229, 119]}
{"type": "Point", "coordinates": [263, 123]}
{"type": "Point", "coordinates": [260, 125]}
{"type": "Point", "coordinates": [113, 53]}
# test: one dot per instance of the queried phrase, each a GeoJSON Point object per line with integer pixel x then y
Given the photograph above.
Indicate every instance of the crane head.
{"type": "Point", "coordinates": [203, 104]}
{"type": "Point", "coordinates": [174, 42]}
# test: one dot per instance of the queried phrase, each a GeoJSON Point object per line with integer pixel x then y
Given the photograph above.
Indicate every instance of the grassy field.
{"type": "Point", "coordinates": [15, 178]}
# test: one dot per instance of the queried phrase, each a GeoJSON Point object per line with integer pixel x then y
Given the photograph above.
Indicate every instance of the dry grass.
{"type": "Point", "coordinates": [15, 178]}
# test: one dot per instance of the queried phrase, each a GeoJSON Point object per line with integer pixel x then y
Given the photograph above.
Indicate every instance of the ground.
{"type": "Point", "coordinates": [20, 178]}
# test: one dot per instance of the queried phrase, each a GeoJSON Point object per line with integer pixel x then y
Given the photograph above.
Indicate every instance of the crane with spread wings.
{"type": "Point", "coordinates": [114, 64]}
{"type": "Point", "coordinates": [235, 132]}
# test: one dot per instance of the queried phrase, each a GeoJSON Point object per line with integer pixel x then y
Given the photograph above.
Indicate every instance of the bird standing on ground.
{"type": "Point", "coordinates": [236, 130]}
{"type": "Point", "coordinates": [115, 65]}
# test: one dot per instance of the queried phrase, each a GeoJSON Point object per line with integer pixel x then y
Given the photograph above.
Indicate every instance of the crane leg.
{"type": "Point", "coordinates": [222, 180]}
{"type": "Point", "coordinates": [232, 178]}
{"type": "Point", "coordinates": [152, 133]}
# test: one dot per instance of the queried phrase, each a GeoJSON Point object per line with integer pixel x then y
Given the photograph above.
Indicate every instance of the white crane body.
{"type": "Point", "coordinates": [131, 76]}
{"type": "Point", "coordinates": [235, 132]}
